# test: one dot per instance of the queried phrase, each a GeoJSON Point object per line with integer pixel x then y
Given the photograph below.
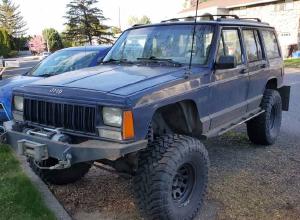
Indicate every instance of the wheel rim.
{"type": "Point", "coordinates": [183, 183]}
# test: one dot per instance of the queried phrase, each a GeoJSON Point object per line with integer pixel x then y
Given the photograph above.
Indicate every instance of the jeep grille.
{"type": "Point", "coordinates": [60, 115]}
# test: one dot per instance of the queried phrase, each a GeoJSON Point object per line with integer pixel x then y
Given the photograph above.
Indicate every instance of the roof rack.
{"type": "Point", "coordinates": [210, 17]}
{"type": "Point", "coordinates": [255, 19]}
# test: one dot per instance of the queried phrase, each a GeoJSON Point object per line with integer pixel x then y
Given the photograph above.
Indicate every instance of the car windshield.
{"type": "Point", "coordinates": [163, 43]}
{"type": "Point", "coordinates": [63, 61]}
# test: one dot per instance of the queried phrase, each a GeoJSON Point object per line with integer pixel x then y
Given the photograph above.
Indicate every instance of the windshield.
{"type": "Point", "coordinates": [63, 61]}
{"type": "Point", "coordinates": [166, 42]}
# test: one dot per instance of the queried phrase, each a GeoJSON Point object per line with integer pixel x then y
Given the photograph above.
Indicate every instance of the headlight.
{"type": "Point", "coordinates": [18, 103]}
{"type": "Point", "coordinates": [112, 116]}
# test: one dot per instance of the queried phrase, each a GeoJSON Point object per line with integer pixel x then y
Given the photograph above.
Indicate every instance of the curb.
{"type": "Point", "coordinates": [51, 202]}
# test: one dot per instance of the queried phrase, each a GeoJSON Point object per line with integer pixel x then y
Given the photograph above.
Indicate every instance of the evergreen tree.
{"type": "Point", "coordinates": [52, 39]}
{"type": "Point", "coordinates": [11, 19]}
{"type": "Point", "coordinates": [85, 23]}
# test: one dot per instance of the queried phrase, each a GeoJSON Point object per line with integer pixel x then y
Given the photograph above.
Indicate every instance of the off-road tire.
{"type": "Point", "coordinates": [264, 129]}
{"type": "Point", "coordinates": [157, 180]}
{"type": "Point", "coordinates": [59, 177]}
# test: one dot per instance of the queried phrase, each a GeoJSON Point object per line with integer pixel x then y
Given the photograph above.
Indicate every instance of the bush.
{"type": "Point", "coordinates": [4, 43]}
{"type": "Point", "coordinates": [13, 53]}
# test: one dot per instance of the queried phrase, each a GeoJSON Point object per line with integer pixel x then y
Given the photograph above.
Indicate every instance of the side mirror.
{"type": "Point", "coordinates": [226, 62]}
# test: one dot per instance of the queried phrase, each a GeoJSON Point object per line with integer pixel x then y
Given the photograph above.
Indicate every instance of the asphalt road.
{"type": "Point", "coordinates": [246, 181]}
{"type": "Point", "coordinates": [25, 66]}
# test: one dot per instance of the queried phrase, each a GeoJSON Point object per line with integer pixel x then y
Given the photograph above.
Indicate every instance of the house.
{"type": "Point", "coordinates": [284, 15]}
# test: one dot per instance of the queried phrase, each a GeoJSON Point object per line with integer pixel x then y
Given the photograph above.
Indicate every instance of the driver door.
{"type": "Point", "coordinates": [229, 86]}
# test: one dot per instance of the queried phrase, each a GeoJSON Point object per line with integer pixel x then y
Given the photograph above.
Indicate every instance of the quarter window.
{"type": "Point", "coordinates": [253, 45]}
{"type": "Point", "coordinates": [272, 48]}
{"type": "Point", "coordinates": [230, 45]}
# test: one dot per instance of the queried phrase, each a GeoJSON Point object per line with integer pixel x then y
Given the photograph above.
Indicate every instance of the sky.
{"type": "Point", "coordinates": [41, 14]}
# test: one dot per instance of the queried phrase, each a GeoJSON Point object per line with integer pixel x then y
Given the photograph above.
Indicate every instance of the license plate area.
{"type": "Point", "coordinates": [33, 149]}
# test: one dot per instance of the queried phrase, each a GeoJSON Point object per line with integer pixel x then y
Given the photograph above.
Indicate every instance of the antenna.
{"type": "Point", "coordinates": [193, 39]}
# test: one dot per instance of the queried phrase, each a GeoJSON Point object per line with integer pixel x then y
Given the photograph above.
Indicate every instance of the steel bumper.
{"type": "Point", "coordinates": [91, 150]}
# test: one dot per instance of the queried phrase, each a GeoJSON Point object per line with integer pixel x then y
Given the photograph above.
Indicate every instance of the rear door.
{"type": "Point", "coordinates": [257, 67]}
{"type": "Point", "coordinates": [230, 86]}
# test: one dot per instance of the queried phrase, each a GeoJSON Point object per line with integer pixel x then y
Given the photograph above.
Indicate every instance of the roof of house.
{"type": "Point", "coordinates": [228, 4]}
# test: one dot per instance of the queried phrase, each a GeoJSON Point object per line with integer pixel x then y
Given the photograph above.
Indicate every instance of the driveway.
{"type": "Point", "coordinates": [246, 181]}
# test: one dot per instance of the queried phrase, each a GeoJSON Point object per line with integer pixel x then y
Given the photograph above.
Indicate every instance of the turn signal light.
{"type": "Point", "coordinates": [128, 129]}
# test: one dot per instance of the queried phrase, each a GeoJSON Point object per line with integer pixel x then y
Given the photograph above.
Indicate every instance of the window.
{"type": "Point", "coordinates": [173, 42]}
{"type": "Point", "coordinates": [272, 48]}
{"type": "Point", "coordinates": [253, 45]}
{"type": "Point", "coordinates": [230, 45]}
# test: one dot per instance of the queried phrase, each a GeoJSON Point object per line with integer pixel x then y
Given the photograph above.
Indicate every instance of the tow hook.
{"type": "Point", "coordinates": [62, 164]}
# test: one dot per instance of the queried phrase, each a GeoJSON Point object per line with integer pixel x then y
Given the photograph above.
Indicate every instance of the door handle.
{"type": "Point", "coordinates": [243, 71]}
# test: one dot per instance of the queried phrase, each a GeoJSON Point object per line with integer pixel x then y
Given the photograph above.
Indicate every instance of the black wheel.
{"type": "Point", "coordinates": [59, 177]}
{"type": "Point", "coordinates": [171, 179]}
{"type": "Point", "coordinates": [265, 128]}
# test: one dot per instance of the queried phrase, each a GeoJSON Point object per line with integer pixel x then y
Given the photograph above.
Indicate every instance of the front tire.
{"type": "Point", "coordinates": [172, 176]}
{"type": "Point", "coordinates": [59, 177]}
{"type": "Point", "coordinates": [264, 129]}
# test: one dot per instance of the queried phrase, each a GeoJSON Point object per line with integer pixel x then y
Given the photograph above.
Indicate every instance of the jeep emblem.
{"type": "Point", "coordinates": [56, 91]}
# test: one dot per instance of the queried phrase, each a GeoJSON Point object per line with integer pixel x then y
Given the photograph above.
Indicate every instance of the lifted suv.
{"type": "Point", "coordinates": [159, 91]}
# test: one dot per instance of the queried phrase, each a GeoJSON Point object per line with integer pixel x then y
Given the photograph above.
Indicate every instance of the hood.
{"type": "Point", "coordinates": [7, 85]}
{"type": "Point", "coordinates": [120, 80]}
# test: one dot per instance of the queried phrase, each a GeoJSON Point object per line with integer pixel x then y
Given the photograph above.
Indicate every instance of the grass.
{"type": "Point", "coordinates": [292, 63]}
{"type": "Point", "coordinates": [19, 199]}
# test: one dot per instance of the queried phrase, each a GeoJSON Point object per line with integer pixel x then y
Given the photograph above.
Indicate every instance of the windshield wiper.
{"type": "Point", "coordinates": [116, 61]}
{"type": "Point", "coordinates": [155, 59]}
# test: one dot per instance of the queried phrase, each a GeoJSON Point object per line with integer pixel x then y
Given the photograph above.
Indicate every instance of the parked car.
{"type": "Point", "coordinates": [59, 62]}
{"type": "Point", "coordinates": [161, 89]}
{"type": "Point", "coordinates": [44, 55]}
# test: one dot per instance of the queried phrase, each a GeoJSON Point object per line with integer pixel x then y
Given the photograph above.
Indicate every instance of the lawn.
{"type": "Point", "coordinates": [292, 63]}
{"type": "Point", "coordinates": [19, 199]}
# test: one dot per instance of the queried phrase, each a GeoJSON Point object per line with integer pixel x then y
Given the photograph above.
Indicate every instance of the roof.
{"type": "Point", "coordinates": [89, 48]}
{"type": "Point", "coordinates": [228, 4]}
{"type": "Point", "coordinates": [240, 22]}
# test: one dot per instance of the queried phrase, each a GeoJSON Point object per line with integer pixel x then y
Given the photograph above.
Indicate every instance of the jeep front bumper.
{"type": "Point", "coordinates": [41, 148]}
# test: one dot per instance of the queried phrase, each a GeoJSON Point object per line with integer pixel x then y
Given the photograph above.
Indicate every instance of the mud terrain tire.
{"type": "Point", "coordinates": [172, 177]}
{"type": "Point", "coordinates": [264, 129]}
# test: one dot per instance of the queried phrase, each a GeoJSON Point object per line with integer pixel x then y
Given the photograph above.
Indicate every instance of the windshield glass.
{"type": "Point", "coordinates": [63, 61]}
{"type": "Point", "coordinates": [166, 42]}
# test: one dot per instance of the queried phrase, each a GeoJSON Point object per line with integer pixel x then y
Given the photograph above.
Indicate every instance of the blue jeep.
{"type": "Point", "coordinates": [160, 90]}
{"type": "Point", "coordinates": [61, 61]}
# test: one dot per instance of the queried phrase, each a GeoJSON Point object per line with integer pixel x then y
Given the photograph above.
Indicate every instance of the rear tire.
{"type": "Point", "coordinates": [59, 177]}
{"type": "Point", "coordinates": [171, 179]}
{"type": "Point", "coordinates": [265, 128]}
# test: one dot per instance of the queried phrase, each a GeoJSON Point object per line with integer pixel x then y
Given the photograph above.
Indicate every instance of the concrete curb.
{"type": "Point", "coordinates": [51, 202]}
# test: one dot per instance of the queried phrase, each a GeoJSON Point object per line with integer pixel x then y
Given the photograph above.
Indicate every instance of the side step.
{"type": "Point", "coordinates": [222, 130]}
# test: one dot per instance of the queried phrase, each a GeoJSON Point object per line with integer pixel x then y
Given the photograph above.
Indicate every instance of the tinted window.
{"type": "Point", "coordinates": [230, 45]}
{"type": "Point", "coordinates": [64, 61]}
{"type": "Point", "coordinates": [253, 45]}
{"type": "Point", "coordinates": [271, 44]}
{"type": "Point", "coordinates": [164, 42]}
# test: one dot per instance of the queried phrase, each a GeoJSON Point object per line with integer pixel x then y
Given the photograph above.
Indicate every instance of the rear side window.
{"type": "Point", "coordinates": [271, 44]}
{"type": "Point", "coordinates": [253, 45]}
{"type": "Point", "coordinates": [230, 45]}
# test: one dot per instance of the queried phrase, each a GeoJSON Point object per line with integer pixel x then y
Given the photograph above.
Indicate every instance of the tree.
{"type": "Point", "coordinates": [4, 43]}
{"type": "Point", "coordinates": [36, 44]}
{"type": "Point", "coordinates": [135, 20]}
{"type": "Point", "coordinates": [85, 23]}
{"type": "Point", "coordinates": [11, 19]}
{"type": "Point", "coordinates": [52, 39]}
